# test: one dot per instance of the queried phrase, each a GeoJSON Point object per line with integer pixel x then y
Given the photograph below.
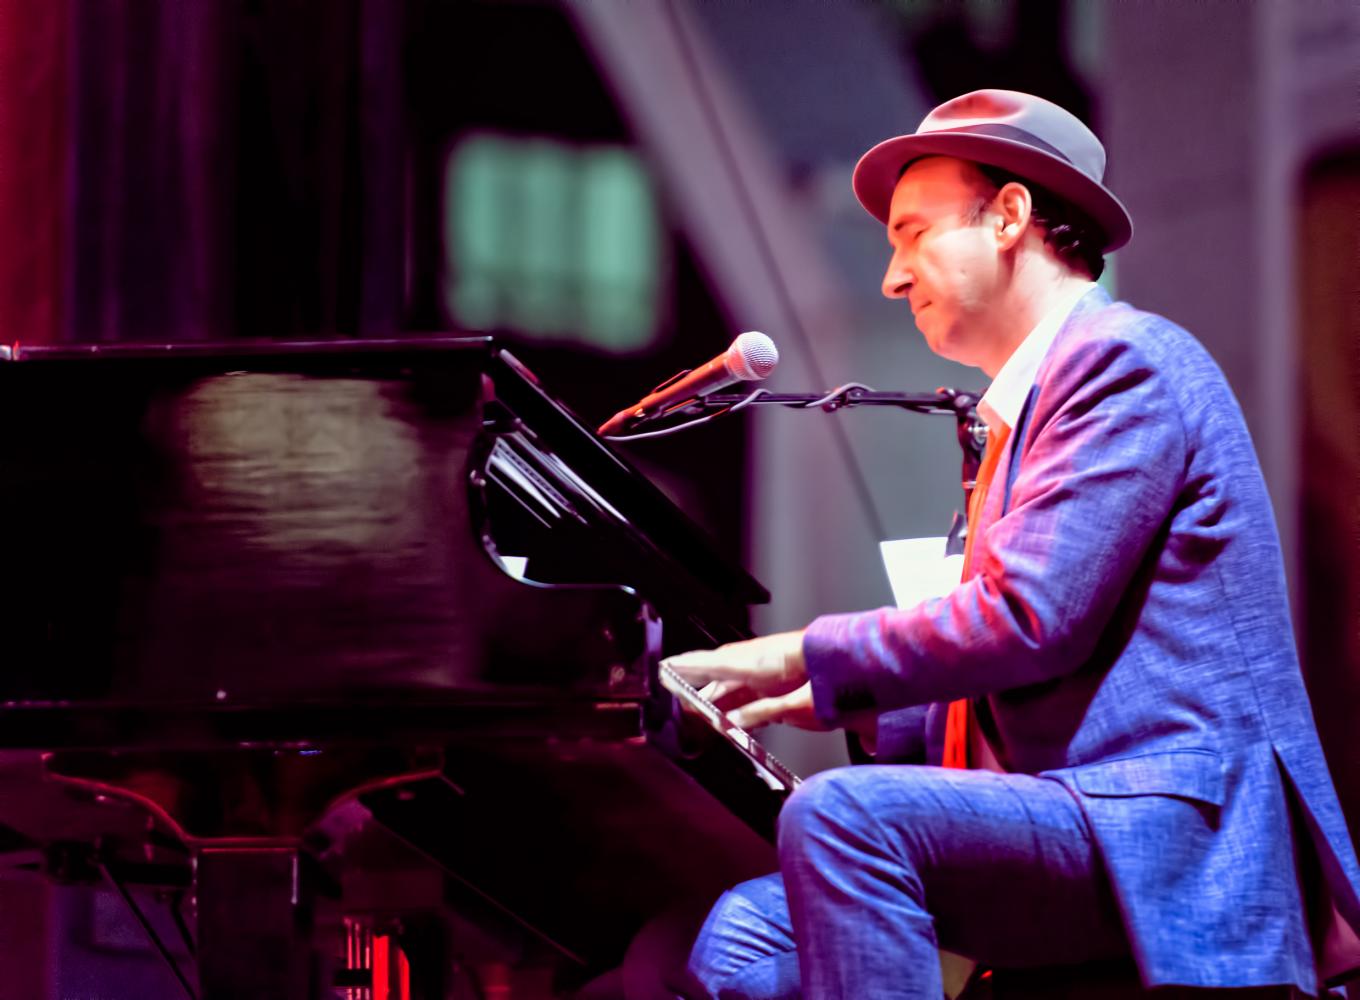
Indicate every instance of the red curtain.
{"type": "Point", "coordinates": [34, 55]}
{"type": "Point", "coordinates": [176, 171]}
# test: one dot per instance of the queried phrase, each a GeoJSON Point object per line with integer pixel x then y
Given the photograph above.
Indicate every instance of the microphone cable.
{"type": "Point", "coordinates": [747, 205]}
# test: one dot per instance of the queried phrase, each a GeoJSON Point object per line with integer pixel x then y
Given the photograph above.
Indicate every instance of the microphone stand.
{"type": "Point", "coordinates": [962, 406]}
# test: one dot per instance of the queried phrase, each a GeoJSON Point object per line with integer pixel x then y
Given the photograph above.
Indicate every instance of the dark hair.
{"type": "Point", "coordinates": [1074, 237]}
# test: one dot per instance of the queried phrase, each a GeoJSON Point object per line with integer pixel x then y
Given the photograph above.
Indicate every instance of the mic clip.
{"type": "Point", "coordinates": [673, 379]}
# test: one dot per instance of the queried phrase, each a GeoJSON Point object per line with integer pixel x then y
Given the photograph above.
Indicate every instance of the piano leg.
{"type": "Point", "coordinates": [254, 926]}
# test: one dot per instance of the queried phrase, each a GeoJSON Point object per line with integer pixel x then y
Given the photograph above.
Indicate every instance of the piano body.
{"type": "Point", "coordinates": [273, 650]}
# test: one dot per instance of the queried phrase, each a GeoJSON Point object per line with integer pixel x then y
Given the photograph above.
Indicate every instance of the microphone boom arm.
{"type": "Point", "coordinates": [961, 405]}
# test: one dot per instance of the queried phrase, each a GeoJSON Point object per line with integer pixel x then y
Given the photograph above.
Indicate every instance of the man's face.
{"type": "Point", "coordinates": [945, 262]}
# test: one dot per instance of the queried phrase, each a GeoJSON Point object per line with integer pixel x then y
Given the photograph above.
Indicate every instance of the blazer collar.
{"type": "Point", "coordinates": [1088, 305]}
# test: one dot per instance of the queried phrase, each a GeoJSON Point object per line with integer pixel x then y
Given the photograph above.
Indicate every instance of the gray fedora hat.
{"type": "Point", "coordinates": [1026, 135]}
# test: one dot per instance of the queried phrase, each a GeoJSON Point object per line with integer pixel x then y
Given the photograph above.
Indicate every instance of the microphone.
{"type": "Point", "coordinates": [751, 358]}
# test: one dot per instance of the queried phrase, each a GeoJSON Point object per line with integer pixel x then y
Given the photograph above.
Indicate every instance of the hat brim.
{"type": "Point", "coordinates": [877, 172]}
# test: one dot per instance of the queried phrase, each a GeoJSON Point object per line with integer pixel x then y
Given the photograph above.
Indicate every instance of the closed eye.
{"type": "Point", "coordinates": [911, 224]}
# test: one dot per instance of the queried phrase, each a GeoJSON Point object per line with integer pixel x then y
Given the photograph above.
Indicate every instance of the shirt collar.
{"type": "Point", "coordinates": [1006, 395]}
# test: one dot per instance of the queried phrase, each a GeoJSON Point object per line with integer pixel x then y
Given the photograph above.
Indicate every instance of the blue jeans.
{"type": "Point", "coordinates": [880, 866]}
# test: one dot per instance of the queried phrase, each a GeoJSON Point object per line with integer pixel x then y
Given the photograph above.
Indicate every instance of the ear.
{"type": "Point", "coordinates": [1012, 205]}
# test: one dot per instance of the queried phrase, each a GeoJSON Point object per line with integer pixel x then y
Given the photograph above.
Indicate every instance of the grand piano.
{"type": "Point", "coordinates": [295, 632]}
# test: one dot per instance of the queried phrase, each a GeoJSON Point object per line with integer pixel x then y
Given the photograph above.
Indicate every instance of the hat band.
{"type": "Point", "coordinates": [1005, 132]}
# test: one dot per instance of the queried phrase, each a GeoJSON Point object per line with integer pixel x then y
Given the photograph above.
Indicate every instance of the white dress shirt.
{"type": "Point", "coordinates": [1006, 395]}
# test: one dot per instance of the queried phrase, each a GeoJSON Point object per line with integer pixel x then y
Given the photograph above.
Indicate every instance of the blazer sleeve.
{"type": "Point", "coordinates": [1103, 462]}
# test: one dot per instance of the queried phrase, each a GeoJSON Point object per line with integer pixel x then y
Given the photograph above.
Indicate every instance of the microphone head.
{"type": "Point", "coordinates": [752, 356]}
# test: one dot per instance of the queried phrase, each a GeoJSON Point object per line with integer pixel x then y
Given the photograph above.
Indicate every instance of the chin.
{"type": "Point", "coordinates": [951, 347]}
{"type": "Point", "coordinates": [940, 345]}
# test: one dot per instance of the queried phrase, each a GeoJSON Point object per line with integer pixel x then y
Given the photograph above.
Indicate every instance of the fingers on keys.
{"type": "Point", "coordinates": [701, 666]}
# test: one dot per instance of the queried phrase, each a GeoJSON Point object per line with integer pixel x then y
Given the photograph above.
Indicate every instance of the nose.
{"type": "Point", "coordinates": [898, 279]}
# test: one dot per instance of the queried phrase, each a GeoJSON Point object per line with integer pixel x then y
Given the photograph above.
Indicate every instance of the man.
{"type": "Point", "coordinates": [1147, 781]}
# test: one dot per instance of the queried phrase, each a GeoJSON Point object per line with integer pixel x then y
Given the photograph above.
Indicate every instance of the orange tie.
{"type": "Point", "coordinates": [958, 721]}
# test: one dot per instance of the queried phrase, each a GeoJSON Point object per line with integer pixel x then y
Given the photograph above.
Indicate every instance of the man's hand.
{"type": "Point", "coordinates": [757, 681]}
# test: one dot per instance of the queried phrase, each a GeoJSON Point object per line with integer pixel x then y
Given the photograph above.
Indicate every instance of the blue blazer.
{"type": "Point", "coordinates": [1125, 630]}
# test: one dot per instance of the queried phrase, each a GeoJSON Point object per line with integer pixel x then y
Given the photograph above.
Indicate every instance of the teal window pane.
{"type": "Point", "coordinates": [620, 252]}
{"type": "Point", "coordinates": [479, 258]}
